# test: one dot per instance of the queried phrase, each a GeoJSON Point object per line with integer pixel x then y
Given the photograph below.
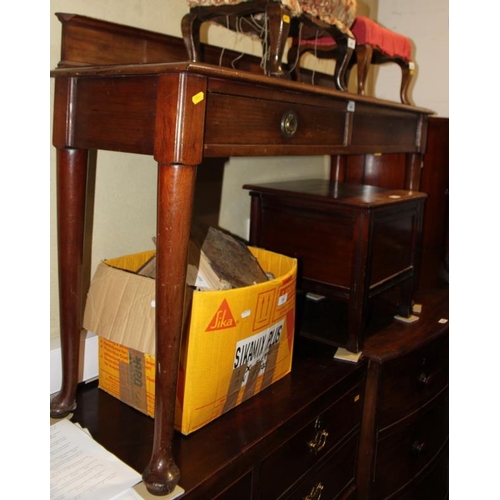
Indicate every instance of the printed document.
{"type": "Point", "coordinates": [81, 469]}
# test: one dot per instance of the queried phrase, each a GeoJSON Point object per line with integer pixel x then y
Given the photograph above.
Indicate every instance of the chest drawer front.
{"type": "Point", "coordinates": [241, 489]}
{"type": "Point", "coordinates": [410, 381]}
{"type": "Point", "coordinates": [434, 483]}
{"type": "Point", "coordinates": [402, 454]}
{"type": "Point", "coordinates": [311, 444]}
{"type": "Point", "coordinates": [333, 478]}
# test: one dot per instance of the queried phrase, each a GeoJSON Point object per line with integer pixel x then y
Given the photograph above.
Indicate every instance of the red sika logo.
{"type": "Point", "coordinates": [222, 319]}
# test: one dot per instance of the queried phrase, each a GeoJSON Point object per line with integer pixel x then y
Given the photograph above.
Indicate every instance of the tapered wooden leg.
{"type": "Point", "coordinates": [338, 168]}
{"type": "Point", "coordinates": [175, 200]}
{"type": "Point", "coordinates": [71, 201]}
{"type": "Point", "coordinates": [279, 27]}
{"type": "Point", "coordinates": [413, 171]}
{"type": "Point", "coordinates": [344, 53]}
{"type": "Point", "coordinates": [364, 55]}
{"type": "Point", "coordinates": [406, 77]}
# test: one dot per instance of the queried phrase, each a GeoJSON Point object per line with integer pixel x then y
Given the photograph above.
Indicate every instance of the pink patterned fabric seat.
{"type": "Point", "coordinates": [274, 21]}
{"type": "Point", "coordinates": [375, 44]}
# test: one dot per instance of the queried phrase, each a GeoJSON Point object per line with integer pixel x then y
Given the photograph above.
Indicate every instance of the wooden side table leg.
{"type": "Point", "coordinates": [413, 171]}
{"type": "Point", "coordinates": [71, 201]}
{"type": "Point", "coordinates": [175, 200]}
{"type": "Point", "coordinates": [338, 168]}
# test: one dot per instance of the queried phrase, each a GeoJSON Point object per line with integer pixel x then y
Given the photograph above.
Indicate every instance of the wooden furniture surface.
{"type": "Point", "coordinates": [386, 170]}
{"type": "Point", "coordinates": [299, 432]}
{"type": "Point", "coordinates": [179, 113]}
{"type": "Point", "coordinates": [352, 241]}
{"type": "Point", "coordinates": [404, 443]}
{"type": "Point", "coordinates": [265, 448]}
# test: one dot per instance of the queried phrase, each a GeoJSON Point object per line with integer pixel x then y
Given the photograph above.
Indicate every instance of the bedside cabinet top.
{"type": "Point", "coordinates": [335, 193]}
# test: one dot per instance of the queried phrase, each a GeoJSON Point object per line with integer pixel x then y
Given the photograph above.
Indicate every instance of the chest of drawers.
{"type": "Point", "coordinates": [404, 440]}
{"type": "Point", "coordinates": [353, 241]}
{"type": "Point", "coordinates": [298, 439]}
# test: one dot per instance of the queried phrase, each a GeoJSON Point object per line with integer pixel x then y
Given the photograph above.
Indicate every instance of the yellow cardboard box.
{"type": "Point", "coordinates": [238, 342]}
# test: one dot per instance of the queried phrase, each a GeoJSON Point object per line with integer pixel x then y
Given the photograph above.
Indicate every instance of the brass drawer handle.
{"type": "Point", "coordinates": [315, 493]}
{"type": "Point", "coordinates": [418, 448]}
{"type": "Point", "coordinates": [319, 441]}
{"type": "Point", "coordinates": [424, 380]}
{"type": "Point", "coordinates": [289, 124]}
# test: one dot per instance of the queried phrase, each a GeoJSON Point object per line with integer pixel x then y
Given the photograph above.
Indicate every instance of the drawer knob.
{"type": "Point", "coordinates": [315, 493]}
{"type": "Point", "coordinates": [418, 448]}
{"type": "Point", "coordinates": [319, 441]}
{"type": "Point", "coordinates": [424, 380]}
{"type": "Point", "coordinates": [289, 124]}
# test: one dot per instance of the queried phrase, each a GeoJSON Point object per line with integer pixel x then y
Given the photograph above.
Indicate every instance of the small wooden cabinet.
{"type": "Point", "coordinates": [404, 439]}
{"type": "Point", "coordinates": [352, 241]}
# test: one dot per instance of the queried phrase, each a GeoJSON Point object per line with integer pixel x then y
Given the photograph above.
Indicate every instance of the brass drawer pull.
{"type": "Point", "coordinates": [289, 124]}
{"type": "Point", "coordinates": [418, 448]}
{"type": "Point", "coordinates": [424, 380]}
{"type": "Point", "coordinates": [315, 493]}
{"type": "Point", "coordinates": [319, 441]}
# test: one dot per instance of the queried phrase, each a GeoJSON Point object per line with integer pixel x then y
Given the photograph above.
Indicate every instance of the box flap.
{"type": "Point", "coordinates": [120, 307]}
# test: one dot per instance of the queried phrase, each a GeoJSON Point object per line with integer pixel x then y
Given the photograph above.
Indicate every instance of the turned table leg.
{"type": "Point", "coordinates": [175, 199]}
{"type": "Point", "coordinates": [71, 202]}
{"type": "Point", "coordinates": [279, 27]}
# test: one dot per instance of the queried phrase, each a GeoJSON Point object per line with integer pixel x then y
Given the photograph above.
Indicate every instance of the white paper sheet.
{"type": "Point", "coordinates": [81, 469]}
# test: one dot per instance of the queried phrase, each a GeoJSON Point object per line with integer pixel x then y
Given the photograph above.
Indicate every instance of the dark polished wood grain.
{"type": "Point", "coordinates": [404, 438]}
{"type": "Point", "coordinates": [388, 171]}
{"type": "Point", "coordinates": [352, 242]}
{"type": "Point", "coordinates": [110, 100]}
{"type": "Point", "coordinates": [238, 455]}
{"type": "Point", "coordinates": [224, 456]}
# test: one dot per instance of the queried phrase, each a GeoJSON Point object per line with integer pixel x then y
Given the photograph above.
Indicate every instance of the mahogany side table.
{"type": "Point", "coordinates": [118, 97]}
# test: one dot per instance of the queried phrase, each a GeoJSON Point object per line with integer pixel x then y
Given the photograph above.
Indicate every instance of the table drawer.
{"type": "Point", "coordinates": [410, 447]}
{"type": "Point", "coordinates": [264, 121]}
{"type": "Point", "coordinates": [311, 444]}
{"type": "Point", "coordinates": [410, 381]}
{"type": "Point", "coordinates": [333, 478]}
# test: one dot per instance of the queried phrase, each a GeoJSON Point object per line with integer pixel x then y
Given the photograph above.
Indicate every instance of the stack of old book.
{"type": "Point", "coordinates": [216, 261]}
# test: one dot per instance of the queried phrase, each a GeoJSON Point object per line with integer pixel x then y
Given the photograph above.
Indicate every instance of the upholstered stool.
{"type": "Point", "coordinates": [274, 21]}
{"type": "Point", "coordinates": [374, 45]}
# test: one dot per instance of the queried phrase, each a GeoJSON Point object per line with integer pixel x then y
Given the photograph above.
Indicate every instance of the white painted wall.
{"type": "Point", "coordinates": [426, 24]}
